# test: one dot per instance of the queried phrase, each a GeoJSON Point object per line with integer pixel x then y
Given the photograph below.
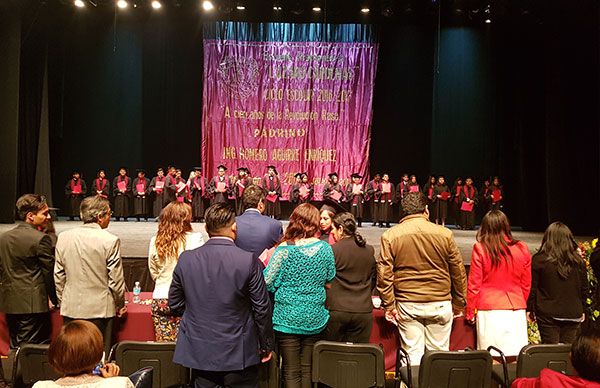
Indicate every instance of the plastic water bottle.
{"type": "Point", "coordinates": [136, 292]}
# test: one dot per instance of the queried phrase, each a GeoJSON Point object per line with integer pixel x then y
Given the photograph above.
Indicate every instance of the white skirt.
{"type": "Point", "coordinates": [504, 329]}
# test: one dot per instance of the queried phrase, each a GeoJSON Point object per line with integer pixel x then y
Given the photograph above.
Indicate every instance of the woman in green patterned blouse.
{"type": "Point", "coordinates": [298, 272]}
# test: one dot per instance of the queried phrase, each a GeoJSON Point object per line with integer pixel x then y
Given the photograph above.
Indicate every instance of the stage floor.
{"type": "Point", "coordinates": [135, 236]}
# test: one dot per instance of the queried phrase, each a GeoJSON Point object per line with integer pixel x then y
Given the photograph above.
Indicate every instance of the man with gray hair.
{"type": "Point", "coordinates": [88, 272]}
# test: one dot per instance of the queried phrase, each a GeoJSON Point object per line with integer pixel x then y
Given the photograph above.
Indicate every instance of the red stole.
{"type": "Point", "coordinates": [159, 179]}
{"type": "Point", "coordinates": [458, 189]}
{"type": "Point", "coordinates": [100, 184]}
{"type": "Point", "coordinates": [76, 187]}
{"type": "Point", "coordinates": [141, 185]}
{"type": "Point", "coordinates": [201, 186]}
{"type": "Point", "coordinates": [271, 183]}
{"type": "Point", "coordinates": [430, 195]}
{"type": "Point", "coordinates": [467, 193]}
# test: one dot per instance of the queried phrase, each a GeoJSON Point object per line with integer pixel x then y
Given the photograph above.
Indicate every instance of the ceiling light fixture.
{"type": "Point", "coordinates": [207, 5]}
{"type": "Point", "coordinates": [79, 3]}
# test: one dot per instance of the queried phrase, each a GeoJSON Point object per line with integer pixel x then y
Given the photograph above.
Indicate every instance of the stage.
{"type": "Point", "coordinates": [135, 236]}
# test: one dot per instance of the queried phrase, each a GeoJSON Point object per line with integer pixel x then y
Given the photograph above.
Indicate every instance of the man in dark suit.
{"type": "Point", "coordinates": [226, 330]}
{"type": "Point", "coordinates": [26, 264]}
{"type": "Point", "coordinates": [256, 232]}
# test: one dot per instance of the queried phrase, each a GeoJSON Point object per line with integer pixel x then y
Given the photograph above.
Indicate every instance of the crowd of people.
{"type": "Point", "coordinates": [254, 287]}
{"type": "Point", "coordinates": [142, 197]}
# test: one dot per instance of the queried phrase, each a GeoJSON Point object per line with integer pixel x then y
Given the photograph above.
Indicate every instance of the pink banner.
{"type": "Point", "coordinates": [300, 106]}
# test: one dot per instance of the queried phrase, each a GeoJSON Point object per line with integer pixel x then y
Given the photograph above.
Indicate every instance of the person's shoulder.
{"type": "Point", "coordinates": [45, 383]}
{"type": "Point", "coordinates": [117, 381]}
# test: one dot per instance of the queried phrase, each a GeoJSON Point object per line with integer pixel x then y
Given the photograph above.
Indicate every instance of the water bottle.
{"type": "Point", "coordinates": [136, 292]}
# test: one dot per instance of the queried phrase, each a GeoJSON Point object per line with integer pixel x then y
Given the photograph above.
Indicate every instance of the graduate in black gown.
{"type": "Point", "coordinates": [402, 188]}
{"type": "Point", "coordinates": [219, 188]}
{"type": "Point", "coordinates": [157, 188]}
{"type": "Point", "coordinates": [305, 190]}
{"type": "Point", "coordinates": [122, 193]}
{"type": "Point", "coordinates": [101, 185]}
{"type": "Point", "coordinates": [441, 196]}
{"type": "Point", "coordinates": [198, 186]}
{"type": "Point", "coordinates": [374, 196]}
{"type": "Point", "coordinates": [386, 201]}
{"type": "Point", "coordinates": [428, 192]}
{"type": "Point", "coordinates": [272, 185]}
{"type": "Point", "coordinates": [468, 201]}
{"type": "Point", "coordinates": [295, 190]}
{"type": "Point", "coordinates": [485, 197]}
{"type": "Point", "coordinates": [333, 190]}
{"type": "Point", "coordinates": [413, 185]}
{"type": "Point", "coordinates": [496, 194]}
{"type": "Point", "coordinates": [242, 180]}
{"type": "Point", "coordinates": [182, 190]}
{"type": "Point", "coordinates": [456, 189]}
{"type": "Point", "coordinates": [170, 186]}
{"type": "Point", "coordinates": [75, 190]}
{"type": "Point", "coordinates": [355, 195]}
{"type": "Point", "coordinates": [141, 196]}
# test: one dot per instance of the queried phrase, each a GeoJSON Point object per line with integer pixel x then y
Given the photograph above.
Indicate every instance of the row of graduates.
{"type": "Point", "coordinates": [141, 197]}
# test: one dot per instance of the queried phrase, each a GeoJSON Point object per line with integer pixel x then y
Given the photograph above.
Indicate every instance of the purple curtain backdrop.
{"type": "Point", "coordinates": [300, 106]}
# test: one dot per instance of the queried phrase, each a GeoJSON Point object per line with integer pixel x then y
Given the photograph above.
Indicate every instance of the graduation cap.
{"type": "Point", "coordinates": [244, 169]}
{"type": "Point", "coordinates": [332, 174]}
{"type": "Point", "coordinates": [220, 166]}
{"type": "Point", "coordinates": [304, 174]}
{"type": "Point", "coordinates": [337, 207]}
{"type": "Point", "coordinates": [273, 167]}
{"type": "Point", "coordinates": [197, 168]}
{"type": "Point", "coordinates": [356, 175]}
{"type": "Point", "coordinates": [247, 170]}
{"type": "Point", "coordinates": [298, 175]}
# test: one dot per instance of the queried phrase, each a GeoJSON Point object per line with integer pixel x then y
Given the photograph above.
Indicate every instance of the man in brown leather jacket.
{"type": "Point", "coordinates": [421, 279]}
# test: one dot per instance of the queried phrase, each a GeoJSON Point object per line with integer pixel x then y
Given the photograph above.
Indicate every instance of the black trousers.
{"type": "Point", "coordinates": [296, 353]}
{"type": "Point", "coordinates": [349, 327]}
{"type": "Point", "coordinates": [105, 325]}
{"type": "Point", "coordinates": [28, 328]}
{"type": "Point", "coordinates": [246, 378]}
{"type": "Point", "coordinates": [554, 332]}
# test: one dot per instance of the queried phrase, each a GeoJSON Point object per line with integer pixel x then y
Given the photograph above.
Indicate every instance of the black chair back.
{"type": "Point", "coordinates": [142, 378]}
{"type": "Point", "coordinates": [32, 360]}
{"type": "Point", "coordinates": [533, 358]}
{"type": "Point", "coordinates": [465, 369]}
{"type": "Point", "coordinates": [346, 365]}
{"type": "Point", "coordinates": [133, 355]}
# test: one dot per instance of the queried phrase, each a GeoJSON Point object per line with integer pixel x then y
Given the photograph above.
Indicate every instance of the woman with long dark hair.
{"type": "Point", "coordinates": [349, 298]}
{"type": "Point", "coordinates": [498, 286]}
{"type": "Point", "coordinates": [297, 274]}
{"type": "Point", "coordinates": [558, 286]}
{"type": "Point", "coordinates": [174, 236]}
{"type": "Point", "coordinates": [325, 223]}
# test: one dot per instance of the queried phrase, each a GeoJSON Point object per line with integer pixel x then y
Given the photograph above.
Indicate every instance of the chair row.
{"type": "Point", "coordinates": [338, 365]}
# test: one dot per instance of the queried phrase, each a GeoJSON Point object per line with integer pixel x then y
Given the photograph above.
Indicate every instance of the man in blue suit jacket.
{"type": "Point", "coordinates": [226, 330]}
{"type": "Point", "coordinates": [256, 232]}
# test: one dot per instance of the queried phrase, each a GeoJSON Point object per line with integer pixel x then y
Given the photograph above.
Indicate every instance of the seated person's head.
{"type": "Point", "coordinates": [77, 349]}
{"type": "Point", "coordinates": [254, 198]}
{"type": "Point", "coordinates": [304, 223]}
{"type": "Point", "coordinates": [414, 203]}
{"type": "Point", "coordinates": [585, 355]}
{"type": "Point", "coordinates": [220, 221]}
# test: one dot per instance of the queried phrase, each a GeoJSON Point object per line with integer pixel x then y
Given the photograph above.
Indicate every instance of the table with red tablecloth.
{"type": "Point", "coordinates": [136, 325]}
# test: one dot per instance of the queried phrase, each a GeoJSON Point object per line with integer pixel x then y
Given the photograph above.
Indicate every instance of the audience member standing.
{"type": "Point", "coordinates": [174, 236]}
{"type": "Point", "coordinates": [499, 283]}
{"type": "Point", "coordinates": [255, 231]}
{"type": "Point", "coordinates": [349, 298]}
{"type": "Point", "coordinates": [421, 279]}
{"type": "Point", "coordinates": [558, 286]}
{"type": "Point", "coordinates": [88, 270]}
{"type": "Point", "coordinates": [26, 285]}
{"type": "Point", "coordinates": [297, 274]}
{"type": "Point", "coordinates": [226, 329]}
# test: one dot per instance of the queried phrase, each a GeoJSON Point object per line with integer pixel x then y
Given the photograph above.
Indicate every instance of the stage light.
{"type": "Point", "coordinates": [277, 8]}
{"type": "Point", "coordinates": [156, 4]}
{"type": "Point", "coordinates": [316, 9]}
{"type": "Point", "coordinates": [79, 3]}
{"type": "Point", "coordinates": [122, 4]}
{"type": "Point", "coordinates": [240, 8]}
{"type": "Point", "coordinates": [488, 21]}
{"type": "Point", "coordinates": [365, 10]}
{"type": "Point", "coordinates": [207, 5]}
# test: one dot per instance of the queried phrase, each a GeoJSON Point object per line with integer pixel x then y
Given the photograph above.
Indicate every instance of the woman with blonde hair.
{"type": "Point", "coordinates": [174, 236]}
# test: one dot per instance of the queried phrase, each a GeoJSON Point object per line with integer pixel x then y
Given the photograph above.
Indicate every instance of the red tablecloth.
{"type": "Point", "coordinates": [136, 325]}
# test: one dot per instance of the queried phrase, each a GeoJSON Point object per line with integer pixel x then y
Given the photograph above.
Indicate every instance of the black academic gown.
{"type": "Point", "coordinates": [198, 187]}
{"type": "Point", "coordinates": [439, 205]}
{"type": "Point", "coordinates": [74, 199]}
{"type": "Point", "coordinates": [273, 205]}
{"type": "Point", "coordinates": [160, 196]}
{"type": "Point", "coordinates": [122, 198]}
{"type": "Point", "coordinates": [219, 197]}
{"type": "Point", "coordinates": [468, 217]}
{"type": "Point", "coordinates": [356, 201]}
{"type": "Point", "coordinates": [141, 202]}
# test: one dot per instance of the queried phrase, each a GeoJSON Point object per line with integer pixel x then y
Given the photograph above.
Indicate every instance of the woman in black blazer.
{"type": "Point", "coordinates": [558, 286]}
{"type": "Point", "coordinates": [349, 298]}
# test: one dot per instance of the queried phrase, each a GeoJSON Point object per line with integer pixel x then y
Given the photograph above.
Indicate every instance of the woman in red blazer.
{"type": "Point", "coordinates": [498, 286]}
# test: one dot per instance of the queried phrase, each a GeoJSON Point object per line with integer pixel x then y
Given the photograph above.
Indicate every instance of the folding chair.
{"type": "Point", "coordinates": [347, 365]}
{"type": "Point", "coordinates": [133, 355]}
{"type": "Point", "coordinates": [34, 365]}
{"type": "Point", "coordinates": [533, 358]}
